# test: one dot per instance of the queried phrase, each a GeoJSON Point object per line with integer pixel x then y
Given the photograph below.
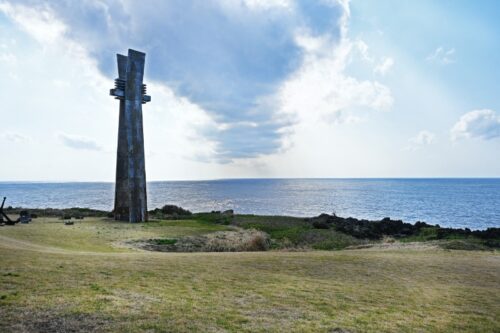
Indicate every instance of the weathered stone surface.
{"type": "Point", "coordinates": [130, 188]}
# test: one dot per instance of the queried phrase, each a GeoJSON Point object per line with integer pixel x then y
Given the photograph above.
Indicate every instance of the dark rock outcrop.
{"type": "Point", "coordinates": [387, 227]}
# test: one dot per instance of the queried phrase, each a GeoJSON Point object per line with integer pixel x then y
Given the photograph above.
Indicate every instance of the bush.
{"type": "Point", "coordinates": [258, 243]}
{"type": "Point", "coordinates": [320, 225]}
{"type": "Point", "coordinates": [172, 209]}
{"type": "Point", "coordinates": [170, 212]}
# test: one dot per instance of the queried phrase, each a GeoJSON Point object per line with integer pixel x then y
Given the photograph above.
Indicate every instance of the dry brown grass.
{"type": "Point", "coordinates": [377, 290]}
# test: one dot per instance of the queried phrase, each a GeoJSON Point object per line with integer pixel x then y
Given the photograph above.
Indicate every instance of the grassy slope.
{"type": "Point", "coordinates": [88, 286]}
{"type": "Point", "coordinates": [99, 234]}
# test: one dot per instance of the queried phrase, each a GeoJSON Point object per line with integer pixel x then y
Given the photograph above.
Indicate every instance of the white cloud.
{"type": "Point", "coordinates": [189, 130]}
{"type": "Point", "coordinates": [40, 23]}
{"type": "Point", "coordinates": [321, 91]}
{"type": "Point", "coordinates": [483, 124]}
{"type": "Point", "coordinates": [423, 138]}
{"type": "Point", "coordinates": [253, 52]}
{"type": "Point", "coordinates": [178, 131]}
{"type": "Point", "coordinates": [320, 94]}
{"type": "Point", "coordinates": [8, 58]}
{"type": "Point", "coordinates": [363, 50]}
{"type": "Point", "coordinates": [442, 56]}
{"type": "Point", "coordinates": [15, 137]}
{"type": "Point", "coordinates": [226, 126]}
{"type": "Point", "coordinates": [268, 4]}
{"type": "Point", "coordinates": [384, 66]}
{"type": "Point", "coordinates": [78, 142]}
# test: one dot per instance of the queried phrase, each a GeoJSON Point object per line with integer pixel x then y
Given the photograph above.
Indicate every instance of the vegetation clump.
{"type": "Point", "coordinates": [217, 217]}
{"type": "Point", "coordinates": [170, 212]}
{"type": "Point", "coordinates": [164, 241]}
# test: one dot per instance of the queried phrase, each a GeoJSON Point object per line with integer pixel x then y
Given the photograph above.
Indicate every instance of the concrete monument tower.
{"type": "Point", "coordinates": [130, 187]}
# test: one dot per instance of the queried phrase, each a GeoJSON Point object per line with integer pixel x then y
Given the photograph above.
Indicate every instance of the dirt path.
{"type": "Point", "coordinates": [15, 244]}
{"type": "Point", "coordinates": [21, 245]}
{"type": "Point", "coordinates": [396, 246]}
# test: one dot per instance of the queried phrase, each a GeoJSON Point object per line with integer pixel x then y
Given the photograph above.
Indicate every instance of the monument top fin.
{"type": "Point", "coordinates": [133, 62]}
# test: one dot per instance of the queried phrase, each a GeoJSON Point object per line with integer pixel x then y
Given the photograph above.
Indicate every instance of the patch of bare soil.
{"type": "Point", "coordinates": [221, 241]}
{"type": "Point", "coordinates": [396, 246]}
{"type": "Point", "coordinates": [43, 321]}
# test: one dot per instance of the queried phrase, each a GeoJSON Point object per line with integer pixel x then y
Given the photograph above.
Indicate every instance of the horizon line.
{"type": "Point", "coordinates": [247, 178]}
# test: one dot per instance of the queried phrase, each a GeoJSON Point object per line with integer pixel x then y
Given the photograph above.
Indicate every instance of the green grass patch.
{"type": "Point", "coordinates": [453, 241]}
{"type": "Point", "coordinates": [466, 244]}
{"type": "Point", "coordinates": [165, 241]}
{"type": "Point", "coordinates": [213, 218]}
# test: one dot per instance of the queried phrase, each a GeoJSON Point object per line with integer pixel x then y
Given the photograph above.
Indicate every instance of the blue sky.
{"type": "Point", "coordinates": [254, 88]}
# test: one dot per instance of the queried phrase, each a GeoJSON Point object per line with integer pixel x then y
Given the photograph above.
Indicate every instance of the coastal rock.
{"type": "Point", "coordinates": [364, 228]}
{"type": "Point", "coordinates": [228, 212]}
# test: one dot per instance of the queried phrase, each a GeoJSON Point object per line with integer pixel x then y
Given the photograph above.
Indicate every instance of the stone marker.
{"type": "Point", "coordinates": [130, 187]}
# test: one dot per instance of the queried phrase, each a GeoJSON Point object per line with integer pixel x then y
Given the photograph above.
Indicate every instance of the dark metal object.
{"type": "Point", "coordinates": [3, 216]}
{"type": "Point", "coordinates": [130, 188]}
{"type": "Point", "coordinates": [24, 216]}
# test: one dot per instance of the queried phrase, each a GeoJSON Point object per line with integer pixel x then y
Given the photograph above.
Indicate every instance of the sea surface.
{"type": "Point", "coordinates": [472, 203]}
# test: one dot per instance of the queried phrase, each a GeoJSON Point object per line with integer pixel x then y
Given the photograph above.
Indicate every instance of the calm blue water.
{"type": "Point", "coordinates": [472, 203]}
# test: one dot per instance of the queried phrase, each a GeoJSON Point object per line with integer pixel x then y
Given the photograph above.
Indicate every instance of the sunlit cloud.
{"type": "Point", "coordinates": [423, 138]}
{"type": "Point", "coordinates": [483, 124]}
{"type": "Point", "coordinates": [384, 66]}
{"type": "Point", "coordinates": [442, 56]}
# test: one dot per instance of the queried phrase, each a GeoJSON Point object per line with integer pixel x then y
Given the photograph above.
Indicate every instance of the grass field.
{"type": "Point", "coordinates": [57, 278]}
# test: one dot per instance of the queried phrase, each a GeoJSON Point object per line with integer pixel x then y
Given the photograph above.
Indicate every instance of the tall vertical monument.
{"type": "Point", "coordinates": [130, 187]}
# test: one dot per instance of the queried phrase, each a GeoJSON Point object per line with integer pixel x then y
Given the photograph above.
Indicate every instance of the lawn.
{"type": "Point", "coordinates": [57, 278]}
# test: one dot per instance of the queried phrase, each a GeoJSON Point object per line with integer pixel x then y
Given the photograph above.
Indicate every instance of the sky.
{"type": "Point", "coordinates": [254, 88]}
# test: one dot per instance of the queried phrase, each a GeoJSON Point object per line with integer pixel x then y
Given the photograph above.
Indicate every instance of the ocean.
{"type": "Point", "coordinates": [458, 203]}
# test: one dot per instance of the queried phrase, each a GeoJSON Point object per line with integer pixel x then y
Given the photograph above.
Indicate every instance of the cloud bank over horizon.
{"type": "Point", "coordinates": [243, 62]}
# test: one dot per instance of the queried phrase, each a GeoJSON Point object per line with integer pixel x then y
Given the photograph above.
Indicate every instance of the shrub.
{"type": "Point", "coordinates": [258, 242]}
{"type": "Point", "coordinates": [172, 209]}
{"type": "Point", "coordinates": [320, 225]}
{"type": "Point", "coordinates": [170, 212]}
